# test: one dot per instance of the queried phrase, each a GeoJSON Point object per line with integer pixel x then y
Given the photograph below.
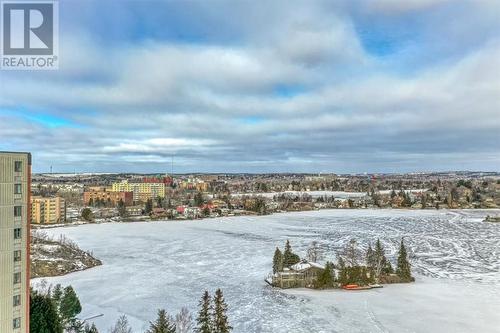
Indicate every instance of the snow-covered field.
{"type": "Point", "coordinates": [316, 194]}
{"type": "Point", "coordinates": [313, 194]}
{"type": "Point", "coordinates": [169, 264]}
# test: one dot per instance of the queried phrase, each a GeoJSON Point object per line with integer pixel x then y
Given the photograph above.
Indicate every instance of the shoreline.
{"type": "Point", "coordinates": [146, 219]}
{"type": "Point", "coordinates": [228, 219]}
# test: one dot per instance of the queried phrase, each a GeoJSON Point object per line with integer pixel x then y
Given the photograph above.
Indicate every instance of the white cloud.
{"type": "Point", "coordinates": [157, 145]}
{"type": "Point", "coordinates": [139, 101]}
{"type": "Point", "coordinates": [402, 6]}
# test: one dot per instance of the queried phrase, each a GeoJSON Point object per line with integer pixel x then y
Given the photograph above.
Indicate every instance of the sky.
{"type": "Point", "coordinates": [342, 86]}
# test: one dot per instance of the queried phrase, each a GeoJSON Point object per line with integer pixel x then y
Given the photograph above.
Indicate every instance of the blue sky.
{"type": "Point", "coordinates": [276, 86]}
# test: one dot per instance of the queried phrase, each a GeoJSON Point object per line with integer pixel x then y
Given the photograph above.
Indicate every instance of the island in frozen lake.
{"type": "Point", "coordinates": [168, 265]}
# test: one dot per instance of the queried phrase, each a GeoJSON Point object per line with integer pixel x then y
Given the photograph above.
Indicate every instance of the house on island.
{"type": "Point", "coordinates": [300, 275]}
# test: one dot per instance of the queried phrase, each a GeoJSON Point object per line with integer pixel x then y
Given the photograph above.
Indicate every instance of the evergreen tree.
{"type": "Point", "coordinates": [388, 268]}
{"type": "Point", "coordinates": [57, 295]}
{"type": "Point", "coordinates": [370, 257]}
{"type": "Point", "coordinates": [87, 214]}
{"type": "Point", "coordinates": [220, 321]}
{"type": "Point", "coordinates": [403, 269]}
{"type": "Point", "coordinates": [326, 277]}
{"type": "Point", "coordinates": [75, 326]}
{"type": "Point", "coordinates": [424, 200]}
{"type": "Point", "coordinates": [277, 261]}
{"type": "Point", "coordinates": [204, 319]}
{"type": "Point", "coordinates": [163, 324]}
{"type": "Point", "coordinates": [159, 202]}
{"type": "Point", "coordinates": [91, 328]}
{"type": "Point", "coordinates": [198, 199]}
{"type": "Point", "coordinates": [43, 314]}
{"type": "Point", "coordinates": [121, 208]}
{"type": "Point", "coordinates": [70, 305]}
{"type": "Point", "coordinates": [206, 211]}
{"type": "Point", "coordinates": [289, 258]}
{"type": "Point", "coordinates": [342, 278]}
{"type": "Point", "coordinates": [407, 200]}
{"type": "Point", "coordinates": [148, 208]}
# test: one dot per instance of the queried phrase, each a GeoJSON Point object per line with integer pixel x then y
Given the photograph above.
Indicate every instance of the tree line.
{"type": "Point", "coordinates": [55, 310]}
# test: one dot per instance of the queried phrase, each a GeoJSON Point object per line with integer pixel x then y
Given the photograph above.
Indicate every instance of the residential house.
{"type": "Point", "coordinates": [300, 275]}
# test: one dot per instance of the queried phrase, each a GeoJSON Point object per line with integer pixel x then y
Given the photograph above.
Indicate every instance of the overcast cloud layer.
{"type": "Point", "coordinates": [254, 86]}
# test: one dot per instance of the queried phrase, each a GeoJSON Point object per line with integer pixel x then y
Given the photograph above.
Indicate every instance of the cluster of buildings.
{"type": "Point", "coordinates": [105, 196]}
{"type": "Point", "coordinates": [127, 191]}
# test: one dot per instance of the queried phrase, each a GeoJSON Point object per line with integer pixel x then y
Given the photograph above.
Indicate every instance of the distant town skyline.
{"type": "Point", "coordinates": [320, 174]}
{"type": "Point", "coordinates": [346, 86]}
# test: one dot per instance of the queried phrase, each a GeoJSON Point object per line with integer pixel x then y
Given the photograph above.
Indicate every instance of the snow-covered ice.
{"type": "Point", "coordinates": [169, 264]}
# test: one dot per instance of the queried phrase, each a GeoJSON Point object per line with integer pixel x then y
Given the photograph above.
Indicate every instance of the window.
{"type": "Point", "coordinates": [18, 211]}
{"type": "Point", "coordinates": [16, 323]}
{"type": "Point", "coordinates": [17, 277]}
{"type": "Point", "coordinates": [17, 255]}
{"type": "Point", "coordinates": [17, 233]}
{"type": "Point", "coordinates": [18, 166]}
{"type": "Point", "coordinates": [16, 300]}
{"type": "Point", "coordinates": [17, 188]}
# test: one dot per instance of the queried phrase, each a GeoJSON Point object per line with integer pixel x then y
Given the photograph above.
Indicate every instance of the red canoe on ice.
{"type": "Point", "coordinates": [355, 287]}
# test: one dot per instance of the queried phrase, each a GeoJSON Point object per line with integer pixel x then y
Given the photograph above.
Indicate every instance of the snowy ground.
{"type": "Point", "coordinates": [316, 194]}
{"type": "Point", "coordinates": [313, 194]}
{"type": "Point", "coordinates": [168, 264]}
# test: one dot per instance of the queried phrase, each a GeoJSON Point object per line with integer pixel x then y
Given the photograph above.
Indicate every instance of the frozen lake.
{"type": "Point", "coordinates": [169, 265]}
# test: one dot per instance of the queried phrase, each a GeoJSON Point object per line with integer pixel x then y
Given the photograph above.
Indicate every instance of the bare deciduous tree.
{"type": "Point", "coordinates": [121, 326]}
{"type": "Point", "coordinates": [314, 252]}
{"type": "Point", "coordinates": [351, 254]}
{"type": "Point", "coordinates": [183, 321]}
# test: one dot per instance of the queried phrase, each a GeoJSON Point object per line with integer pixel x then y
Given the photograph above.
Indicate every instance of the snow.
{"type": "Point", "coordinates": [313, 194]}
{"type": "Point", "coordinates": [306, 265]}
{"type": "Point", "coordinates": [169, 264]}
{"type": "Point", "coordinates": [48, 247]}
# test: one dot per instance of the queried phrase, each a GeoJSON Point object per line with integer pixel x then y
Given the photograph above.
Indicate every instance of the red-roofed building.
{"type": "Point", "coordinates": [156, 180]}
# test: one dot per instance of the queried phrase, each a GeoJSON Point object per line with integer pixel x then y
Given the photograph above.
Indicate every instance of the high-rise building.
{"type": "Point", "coordinates": [48, 210]}
{"type": "Point", "coordinates": [15, 214]}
